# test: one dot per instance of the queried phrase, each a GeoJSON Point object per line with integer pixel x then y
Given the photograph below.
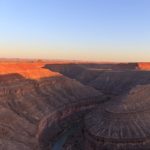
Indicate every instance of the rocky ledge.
{"type": "Point", "coordinates": [33, 106]}
{"type": "Point", "coordinates": [123, 124]}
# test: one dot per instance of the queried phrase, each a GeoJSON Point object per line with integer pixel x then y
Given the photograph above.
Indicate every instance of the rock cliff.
{"type": "Point", "coordinates": [123, 124]}
{"type": "Point", "coordinates": [32, 99]}
{"type": "Point", "coordinates": [114, 79]}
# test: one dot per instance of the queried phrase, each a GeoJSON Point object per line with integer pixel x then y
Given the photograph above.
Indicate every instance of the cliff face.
{"type": "Point", "coordinates": [29, 106]}
{"type": "Point", "coordinates": [114, 79]}
{"type": "Point", "coordinates": [27, 70]}
{"type": "Point", "coordinates": [144, 66]}
{"type": "Point", "coordinates": [122, 124]}
{"type": "Point", "coordinates": [36, 104]}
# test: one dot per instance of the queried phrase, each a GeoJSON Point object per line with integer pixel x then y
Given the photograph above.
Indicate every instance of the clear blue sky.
{"type": "Point", "coordinates": [98, 30]}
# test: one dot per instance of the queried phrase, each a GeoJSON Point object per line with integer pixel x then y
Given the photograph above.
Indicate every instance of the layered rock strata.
{"type": "Point", "coordinates": [123, 124]}
{"type": "Point", "coordinates": [31, 105]}
{"type": "Point", "coordinates": [115, 79]}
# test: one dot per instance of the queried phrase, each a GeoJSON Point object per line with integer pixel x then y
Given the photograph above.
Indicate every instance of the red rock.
{"type": "Point", "coordinates": [27, 70]}
{"type": "Point", "coordinates": [144, 66]}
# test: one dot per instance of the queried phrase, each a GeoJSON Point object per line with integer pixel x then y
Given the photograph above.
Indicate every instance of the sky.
{"type": "Point", "coordinates": [90, 30]}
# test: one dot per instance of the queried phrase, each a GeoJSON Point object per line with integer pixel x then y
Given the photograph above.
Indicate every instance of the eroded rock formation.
{"type": "Point", "coordinates": [38, 102]}
{"type": "Point", "coordinates": [30, 103]}
{"type": "Point", "coordinates": [27, 70]}
{"type": "Point", "coordinates": [123, 124]}
{"type": "Point", "coordinates": [144, 66]}
{"type": "Point", "coordinates": [114, 79]}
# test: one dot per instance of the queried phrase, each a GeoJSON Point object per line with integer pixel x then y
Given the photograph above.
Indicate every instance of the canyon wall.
{"type": "Point", "coordinates": [30, 106]}
{"type": "Point", "coordinates": [122, 124]}
{"type": "Point", "coordinates": [38, 101]}
{"type": "Point", "coordinates": [114, 79]}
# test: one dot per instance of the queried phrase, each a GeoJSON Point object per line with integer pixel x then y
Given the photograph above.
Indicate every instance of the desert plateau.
{"type": "Point", "coordinates": [74, 106]}
{"type": "Point", "coordinates": [74, 75]}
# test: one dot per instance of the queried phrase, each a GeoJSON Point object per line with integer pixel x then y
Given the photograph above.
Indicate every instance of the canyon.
{"type": "Point", "coordinates": [41, 101]}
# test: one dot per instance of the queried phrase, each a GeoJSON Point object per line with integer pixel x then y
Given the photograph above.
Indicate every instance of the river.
{"type": "Point", "coordinates": [62, 139]}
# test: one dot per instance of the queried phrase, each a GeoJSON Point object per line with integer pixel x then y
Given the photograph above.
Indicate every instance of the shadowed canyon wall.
{"type": "Point", "coordinates": [123, 124]}
{"type": "Point", "coordinates": [30, 105]}
{"type": "Point", "coordinates": [112, 79]}
{"type": "Point", "coordinates": [38, 101]}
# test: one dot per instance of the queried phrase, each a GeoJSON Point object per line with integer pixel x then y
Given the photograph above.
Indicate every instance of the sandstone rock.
{"type": "Point", "coordinates": [31, 97]}
{"type": "Point", "coordinates": [123, 124]}
{"type": "Point", "coordinates": [114, 79]}
{"type": "Point", "coordinates": [144, 66]}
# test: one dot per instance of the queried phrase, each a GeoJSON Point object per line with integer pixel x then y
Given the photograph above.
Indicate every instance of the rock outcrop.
{"type": "Point", "coordinates": [38, 102]}
{"type": "Point", "coordinates": [123, 124]}
{"type": "Point", "coordinates": [114, 79]}
{"type": "Point", "coordinates": [30, 103]}
{"type": "Point", "coordinates": [27, 70]}
{"type": "Point", "coordinates": [144, 66]}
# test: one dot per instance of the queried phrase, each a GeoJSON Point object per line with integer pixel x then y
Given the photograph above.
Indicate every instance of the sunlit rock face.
{"type": "Point", "coordinates": [123, 124]}
{"type": "Point", "coordinates": [144, 66]}
{"type": "Point", "coordinates": [39, 101]}
{"type": "Point", "coordinates": [27, 70]}
{"type": "Point", "coordinates": [32, 99]}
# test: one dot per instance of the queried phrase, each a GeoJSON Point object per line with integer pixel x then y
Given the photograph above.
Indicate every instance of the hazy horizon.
{"type": "Point", "coordinates": [97, 30]}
